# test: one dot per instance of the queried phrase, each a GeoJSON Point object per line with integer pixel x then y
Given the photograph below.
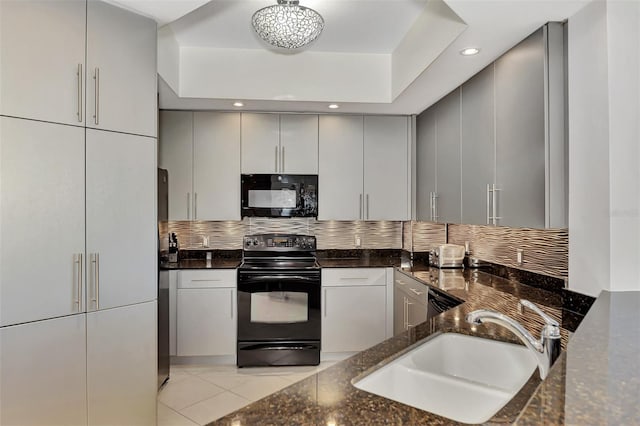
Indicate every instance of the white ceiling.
{"type": "Point", "coordinates": [359, 27]}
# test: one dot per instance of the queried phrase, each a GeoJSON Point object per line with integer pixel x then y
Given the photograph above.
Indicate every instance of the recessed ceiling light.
{"type": "Point", "coordinates": [238, 104]}
{"type": "Point", "coordinates": [469, 51]}
{"type": "Point", "coordinates": [334, 106]}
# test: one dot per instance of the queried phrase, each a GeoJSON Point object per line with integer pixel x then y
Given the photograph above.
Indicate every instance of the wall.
{"type": "Point", "coordinates": [604, 196]}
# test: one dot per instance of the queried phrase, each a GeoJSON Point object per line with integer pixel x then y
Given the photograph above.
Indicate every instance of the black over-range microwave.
{"type": "Point", "coordinates": [271, 195]}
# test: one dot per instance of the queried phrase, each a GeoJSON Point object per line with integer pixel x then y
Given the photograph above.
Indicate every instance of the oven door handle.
{"type": "Point", "coordinates": [278, 277]}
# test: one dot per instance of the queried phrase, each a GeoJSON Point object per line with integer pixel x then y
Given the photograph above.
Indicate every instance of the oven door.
{"type": "Point", "coordinates": [278, 305]}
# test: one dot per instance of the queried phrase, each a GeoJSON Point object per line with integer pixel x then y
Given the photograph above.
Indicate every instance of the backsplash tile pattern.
{"type": "Point", "coordinates": [545, 251]}
{"type": "Point", "coordinates": [427, 235]}
{"type": "Point", "coordinates": [223, 235]}
{"type": "Point", "coordinates": [331, 234]}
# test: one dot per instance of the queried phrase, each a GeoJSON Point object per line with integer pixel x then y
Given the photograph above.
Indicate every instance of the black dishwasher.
{"type": "Point", "coordinates": [438, 302]}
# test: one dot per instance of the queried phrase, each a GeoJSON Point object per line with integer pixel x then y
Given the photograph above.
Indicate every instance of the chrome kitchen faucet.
{"type": "Point", "coordinates": [546, 350]}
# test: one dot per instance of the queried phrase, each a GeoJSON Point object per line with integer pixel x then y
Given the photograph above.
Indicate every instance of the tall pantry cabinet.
{"type": "Point", "coordinates": [77, 214]}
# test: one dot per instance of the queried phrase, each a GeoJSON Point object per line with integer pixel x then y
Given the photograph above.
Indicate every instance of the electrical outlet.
{"type": "Point", "coordinates": [358, 242]}
{"type": "Point", "coordinates": [519, 256]}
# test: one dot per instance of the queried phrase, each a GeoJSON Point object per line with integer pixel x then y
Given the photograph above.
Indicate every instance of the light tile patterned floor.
{"type": "Point", "coordinates": [199, 394]}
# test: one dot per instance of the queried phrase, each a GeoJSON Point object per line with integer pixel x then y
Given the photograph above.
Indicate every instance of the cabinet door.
{"type": "Point", "coordinates": [520, 134]}
{"type": "Point", "coordinates": [121, 219]}
{"type": "Point", "coordinates": [121, 70]}
{"type": "Point", "coordinates": [340, 167]}
{"type": "Point", "coordinates": [417, 310]}
{"type": "Point", "coordinates": [42, 47]}
{"type": "Point", "coordinates": [386, 176]}
{"type": "Point", "coordinates": [260, 143]}
{"type": "Point", "coordinates": [122, 365]}
{"type": "Point", "coordinates": [206, 323]}
{"type": "Point", "coordinates": [216, 171]}
{"type": "Point", "coordinates": [478, 142]}
{"type": "Point", "coordinates": [176, 155]}
{"type": "Point", "coordinates": [299, 144]}
{"type": "Point", "coordinates": [41, 220]}
{"type": "Point", "coordinates": [425, 163]}
{"type": "Point", "coordinates": [43, 373]}
{"type": "Point", "coordinates": [399, 310]}
{"type": "Point", "coordinates": [354, 318]}
{"type": "Point", "coordinates": [448, 158]}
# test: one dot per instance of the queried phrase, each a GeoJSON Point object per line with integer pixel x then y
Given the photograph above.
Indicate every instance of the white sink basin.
{"type": "Point", "coordinates": [467, 379]}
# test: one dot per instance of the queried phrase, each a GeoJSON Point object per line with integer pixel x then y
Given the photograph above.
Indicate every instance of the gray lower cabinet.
{"type": "Point", "coordinates": [354, 308]}
{"type": "Point", "coordinates": [410, 303]}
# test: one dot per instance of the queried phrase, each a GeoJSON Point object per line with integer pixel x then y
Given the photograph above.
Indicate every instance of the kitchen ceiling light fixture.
{"type": "Point", "coordinates": [238, 104]}
{"type": "Point", "coordinates": [469, 51]}
{"type": "Point", "coordinates": [334, 106]}
{"type": "Point", "coordinates": [287, 24]}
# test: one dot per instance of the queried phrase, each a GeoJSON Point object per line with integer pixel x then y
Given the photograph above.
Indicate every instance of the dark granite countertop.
{"type": "Point", "coordinates": [197, 259]}
{"type": "Point", "coordinates": [359, 258]}
{"type": "Point", "coordinates": [328, 397]}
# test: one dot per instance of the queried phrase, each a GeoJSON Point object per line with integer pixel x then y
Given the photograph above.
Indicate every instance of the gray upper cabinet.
{"type": "Point", "coordinates": [121, 70]}
{"type": "Point", "coordinates": [201, 151]}
{"type": "Point", "coordinates": [426, 160]}
{"type": "Point", "coordinates": [280, 143]}
{"type": "Point", "coordinates": [520, 135]}
{"type": "Point", "coordinates": [448, 158]}
{"type": "Point", "coordinates": [478, 146]}
{"type": "Point", "coordinates": [497, 142]}
{"type": "Point", "coordinates": [42, 52]}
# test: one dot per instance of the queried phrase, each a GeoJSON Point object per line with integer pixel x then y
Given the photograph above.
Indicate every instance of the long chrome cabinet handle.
{"type": "Point", "coordinates": [276, 164]}
{"type": "Point", "coordinates": [79, 113]}
{"type": "Point", "coordinates": [488, 204]}
{"type": "Point", "coordinates": [494, 190]}
{"type": "Point", "coordinates": [188, 205]}
{"type": "Point", "coordinates": [325, 302]}
{"type": "Point", "coordinates": [96, 115]}
{"type": "Point", "coordinates": [406, 312]}
{"type": "Point", "coordinates": [195, 206]}
{"type": "Point", "coordinates": [435, 207]}
{"type": "Point", "coordinates": [282, 159]}
{"type": "Point", "coordinates": [361, 214]}
{"type": "Point", "coordinates": [95, 261]}
{"type": "Point", "coordinates": [77, 260]}
{"type": "Point", "coordinates": [367, 206]}
{"type": "Point", "coordinates": [431, 206]}
{"type": "Point", "coordinates": [231, 291]}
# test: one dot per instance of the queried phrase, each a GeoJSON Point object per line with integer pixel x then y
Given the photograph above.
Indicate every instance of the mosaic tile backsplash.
{"type": "Point", "coordinates": [331, 234]}
{"type": "Point", "coordinates": [544, 251]}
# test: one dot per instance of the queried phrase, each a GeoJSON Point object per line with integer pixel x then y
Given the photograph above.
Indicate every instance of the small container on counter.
{"type": "Point", "coordinates": [173, 248]}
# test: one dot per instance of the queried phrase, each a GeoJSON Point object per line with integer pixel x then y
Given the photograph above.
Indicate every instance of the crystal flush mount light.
{"type": "Point", "coordinates": [287, 25]}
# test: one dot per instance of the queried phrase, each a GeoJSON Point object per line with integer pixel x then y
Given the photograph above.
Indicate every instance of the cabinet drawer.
{"type": "Point", "coordinates": [200, 278]}
{"type": "Point", "coordinates": [410, 286]}
{"type": "Point", "coordinates": [338, 277]}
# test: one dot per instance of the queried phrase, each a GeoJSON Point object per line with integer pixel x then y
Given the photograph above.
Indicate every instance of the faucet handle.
{"type": "Point", "coordinates": [547, 319]}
